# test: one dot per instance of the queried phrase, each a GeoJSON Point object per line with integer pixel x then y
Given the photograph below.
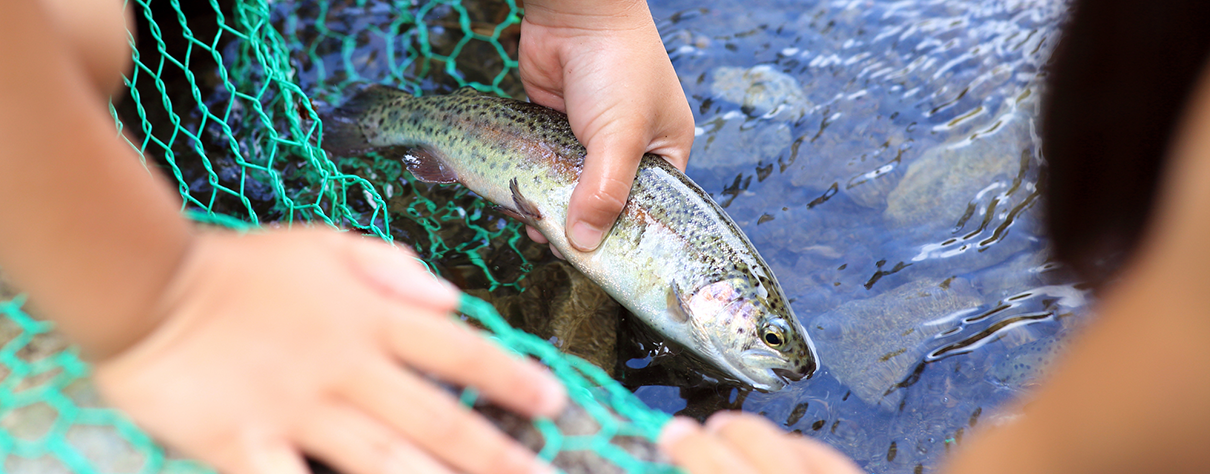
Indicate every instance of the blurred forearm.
{"type": "Point", "coordinates": [588, 14]}
{"type": "Point", "coordinates": [1131, 394]}
{"type": "Point", "coordinates": [83, 227]}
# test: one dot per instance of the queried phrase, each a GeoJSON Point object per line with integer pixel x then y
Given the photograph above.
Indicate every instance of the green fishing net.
{"type": "Point", "coordinates": [223, 98]}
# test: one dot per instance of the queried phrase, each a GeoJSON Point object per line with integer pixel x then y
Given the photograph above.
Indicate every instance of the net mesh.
{"type": "Point", "coordinates": [223, 97]}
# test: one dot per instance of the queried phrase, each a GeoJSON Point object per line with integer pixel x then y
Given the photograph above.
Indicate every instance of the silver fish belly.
{"type": "Point", "coordinates": [674, 258]}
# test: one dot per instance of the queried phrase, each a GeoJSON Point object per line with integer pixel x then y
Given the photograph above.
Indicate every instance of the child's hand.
{"type": "Point", "coordinates": [604, 65]}
{"type": "Point", "coordinates": [737, 443]}
{"type": "Point", "coordinates": [310, 341]}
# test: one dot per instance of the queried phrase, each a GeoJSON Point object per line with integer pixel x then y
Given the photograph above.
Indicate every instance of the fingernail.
{"type": "Point", "coordinates": [397, 273]}
{"type": "Point", "coordinates": [718, 420]}
{"type": "Point", "coordinates": [675, 430]}
{"type": "Point", "coordinates": [585, 236]}
{"type": "Point", "coordinates": [405, 281]}
{"type": "Point", "coordinates": [554, 399]}
{"type": "Point", "coordinates": [543, 468]}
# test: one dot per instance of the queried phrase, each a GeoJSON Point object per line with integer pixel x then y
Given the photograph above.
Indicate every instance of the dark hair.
{"type": "Point", "coordinates": [1117, 87]}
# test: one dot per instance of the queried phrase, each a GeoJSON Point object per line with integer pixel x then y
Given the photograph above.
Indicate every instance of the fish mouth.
{"type": "Point", "coordinates": [766, 370]}
{"type": "Point", "coordinates": [778, 371]}
{"type": "Point", "coordinates": [789, 375]}
{"type": "Point", "coordinates": [803, 371]}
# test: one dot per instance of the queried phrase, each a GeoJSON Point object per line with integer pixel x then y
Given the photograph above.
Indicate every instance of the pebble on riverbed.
{"type": "Point", "coordinates": [760, 90]}
{"type": "Point", "coordinates": [564, 307]}
{"type": "Point", "coordinates": [574, 422]}
{"type": "Point", "coordinates": [871, 345]}
{"type": "Point", "coordinates": [937, 187]}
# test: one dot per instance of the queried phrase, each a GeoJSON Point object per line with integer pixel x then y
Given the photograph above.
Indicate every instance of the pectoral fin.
{"type": "Point", "coordinates": [676, 304]}
{"type": "Point", "coordinates": [508, 212]}
{"type": "Point", "coordinates": [426, 165]}
{"type": "Point", "coordinates": [527, 211]}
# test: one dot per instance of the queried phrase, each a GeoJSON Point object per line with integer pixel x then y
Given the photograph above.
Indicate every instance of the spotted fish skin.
{"type": "Point", "coordinates": [674, 258]}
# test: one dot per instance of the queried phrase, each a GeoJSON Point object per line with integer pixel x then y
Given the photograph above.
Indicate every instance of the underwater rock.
{"type": "Point", "coordinates": [938, 187]}
{"type": "Point", "coordinates": [1018, 273]}
{"type": "Point", "coordinates": [45, 464]}
{"type": "Point", "coordinates": [760, 90]}
{"type": "Point", "coordinates": [1024, 365]}
{"type": "Point", "coordinates": [573, 422]}
{"type": "Point", "coordinates": [564, 307]}
{"type": "Point", "coordinates": [734, 140]}
{"type": "Point", "coordinates": [870, 189]}
{"type": "Point", "coordinates": [872, 345]}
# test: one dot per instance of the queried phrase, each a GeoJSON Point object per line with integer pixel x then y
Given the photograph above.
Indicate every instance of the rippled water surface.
{"type": "Point", "coordinates": [884, 159]}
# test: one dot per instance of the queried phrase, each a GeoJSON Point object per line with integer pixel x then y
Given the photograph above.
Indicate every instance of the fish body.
{"type": "Point", "coordinates": [674, 258]}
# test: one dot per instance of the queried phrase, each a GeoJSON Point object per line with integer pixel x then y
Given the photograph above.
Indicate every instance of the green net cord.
{"type": "Point", "coordinates": [54, 420]}
{"type": "Point", "coordinates": [221, 100]}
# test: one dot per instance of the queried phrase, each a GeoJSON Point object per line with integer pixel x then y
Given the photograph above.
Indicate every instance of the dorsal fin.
{"type": "Point", "coordinates": [427, 165]}
{"type": "Point", "coordinates": [467, 90]}
{"type": "Point", "coordinates": [371, 96]}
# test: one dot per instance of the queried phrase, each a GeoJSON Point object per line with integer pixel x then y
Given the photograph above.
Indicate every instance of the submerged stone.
{"type": "Point", "coordinates": [564, 307]}
{"type": "Point", "coordinates": [872, 345]}
{"type": "Point", "coordinates": [938, 187]}
{"type": "Point", "coordinates": [578, 423]}
{"type": "Point", "coordinates": [760, 90]}
{"type": "Point", "coordinates": [733, 140]}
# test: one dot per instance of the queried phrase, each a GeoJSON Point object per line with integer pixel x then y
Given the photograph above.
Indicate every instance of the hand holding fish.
{"type": "Point", "coordinates": [739, 443]}
{"type": "Point", "coordinates": [279, 343]}
{"type": "Point", "coordinates": [603, 64]}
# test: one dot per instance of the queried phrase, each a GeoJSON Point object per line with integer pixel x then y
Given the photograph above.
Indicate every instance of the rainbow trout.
{"type": "Point", "coordinates": [674, 258]}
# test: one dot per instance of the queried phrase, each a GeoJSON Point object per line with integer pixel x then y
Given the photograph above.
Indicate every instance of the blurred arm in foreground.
{"type": "Point", "coordinates": [1126, 130]}
{"type": "Point", "coordinates": [243, 351]}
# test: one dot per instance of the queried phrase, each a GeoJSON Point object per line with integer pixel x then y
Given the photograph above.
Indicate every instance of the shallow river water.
{"type": "Point", "coordinates": [884, 158]}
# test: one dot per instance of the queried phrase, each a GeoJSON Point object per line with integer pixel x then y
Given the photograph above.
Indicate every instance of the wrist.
{"type": "Point", "coordinates": [133, 317]}
{"type": "Point", "coordinates": [588, 14]}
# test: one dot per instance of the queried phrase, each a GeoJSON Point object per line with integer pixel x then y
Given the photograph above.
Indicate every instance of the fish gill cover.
{"type": "Point", "coordinates": [222, 98]}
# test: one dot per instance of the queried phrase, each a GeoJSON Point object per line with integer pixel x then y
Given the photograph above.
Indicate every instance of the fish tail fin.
{"type": "Point", "coordinates": [342, 132]}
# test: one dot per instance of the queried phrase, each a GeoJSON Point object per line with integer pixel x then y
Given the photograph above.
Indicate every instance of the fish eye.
{"type": "Point", "coordinates": [774, 335]}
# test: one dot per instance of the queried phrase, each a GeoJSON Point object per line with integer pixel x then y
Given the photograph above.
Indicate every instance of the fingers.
{"type": "Point", "coordinates": [353, 443]}
{"type": "Point", "coordinates": [540, 238]}
{"type": "Point", "coordinates": [700, 452]}
{"type": "Point", "coordinates": [758, 441]}
{"type": "Point", "coordinates": [437, 424]}
{"type": "Point", "coordinates": [609, 169]}
{"type": "Point", "coordinates": [454, 353]}
{"type": "Point", "coordinates": [399, 275]}
{"type": "Point", "coordinates": [535, 235]}
{"type": "Point", "coordinates": [735, 442]}
{"type": "Point", "coordinates": [822, 458]}
{"type": "Point", "coordinates": [274, 457]}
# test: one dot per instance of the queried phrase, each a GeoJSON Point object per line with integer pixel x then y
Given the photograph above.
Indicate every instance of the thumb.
{"type": "Point", "coordinates": [604, 186]}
